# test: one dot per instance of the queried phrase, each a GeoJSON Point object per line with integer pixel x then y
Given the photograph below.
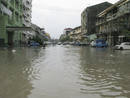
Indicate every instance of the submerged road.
{"type": "Point", "coordinates": [64, 72]}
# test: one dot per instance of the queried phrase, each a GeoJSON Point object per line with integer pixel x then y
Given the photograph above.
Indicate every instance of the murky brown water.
{"type": "Point", "coordinates": [64, 72]}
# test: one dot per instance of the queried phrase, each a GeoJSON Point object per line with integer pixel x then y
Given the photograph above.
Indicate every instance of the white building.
{"type": "Point", "coordinates": [27, 10]}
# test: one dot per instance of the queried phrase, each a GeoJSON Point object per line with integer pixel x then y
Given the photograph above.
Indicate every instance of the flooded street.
{"type": "Point", "coordinates": [64, 72]}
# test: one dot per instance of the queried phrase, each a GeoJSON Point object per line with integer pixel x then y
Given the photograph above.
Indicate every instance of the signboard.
{"type": "Point", "coordinates": [5, 10]}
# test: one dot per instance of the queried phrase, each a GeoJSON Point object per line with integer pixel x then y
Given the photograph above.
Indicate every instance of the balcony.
{"type": "Point", "coordinates": [100, 21]}
{"type": "Point", "coordinates": [111, 17]}
{"type": "Point", "coordinates": [5, 10]}
{"type": "Point", "coordinates": [10, 21]}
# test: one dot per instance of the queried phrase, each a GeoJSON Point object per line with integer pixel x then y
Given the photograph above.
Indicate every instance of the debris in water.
{"type": "Point", "coordinates": [13, 51]}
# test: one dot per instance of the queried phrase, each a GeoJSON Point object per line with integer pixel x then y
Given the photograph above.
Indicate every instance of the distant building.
{"type": "Point", "coordinates": [113, 24]}
{"type": "Point", "coordinates": [88, 17]}
{"type": "Point", "coordinates": [48, 37]}
{"type": "Point", "coordinates": [67, 31]}
{"type": "Point", "coordinates": [39, 33]}
{"type": "Point", "coordinates": [76, 34]}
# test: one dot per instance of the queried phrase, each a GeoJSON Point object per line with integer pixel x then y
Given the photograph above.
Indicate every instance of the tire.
{"type": "Point", "coordinates": [121, 48]}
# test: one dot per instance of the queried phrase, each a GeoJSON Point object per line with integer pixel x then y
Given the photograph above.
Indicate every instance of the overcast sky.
{"type": "Point", "coordinates": [55, 15]}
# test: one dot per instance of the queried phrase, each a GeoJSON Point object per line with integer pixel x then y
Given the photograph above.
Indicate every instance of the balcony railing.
{"type": "Point", "coordinates": [5, 10]}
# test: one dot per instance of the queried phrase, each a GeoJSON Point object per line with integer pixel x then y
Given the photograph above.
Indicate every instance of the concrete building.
{"type": "Point", "coordinates": [65, 36]}
{"type": "Point", "coordinates": [76, 34]}
{"type": "Point", "coordinates": [113, 24]}
{"type": "Point", "coordinates": [88, 17]}
{"type": "Point", "coordinates": [67, 31]}
{"type": "Point", "coordinates": [27, 10]}
{"type": "Point", "coordinates": [12, 21]}
{"type": "Point", "coordinates": [39, 34]}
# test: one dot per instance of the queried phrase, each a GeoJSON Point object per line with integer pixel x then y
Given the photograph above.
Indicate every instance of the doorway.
{"type": "Point", "coordinates": [10, 38]}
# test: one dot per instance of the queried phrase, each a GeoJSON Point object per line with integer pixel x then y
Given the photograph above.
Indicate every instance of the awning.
{"type": "Point", "coordinates": [92, 36]}
{"type": "Point", "coordinates": [19, 28]}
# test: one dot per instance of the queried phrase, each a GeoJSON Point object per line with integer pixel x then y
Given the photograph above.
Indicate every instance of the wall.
{"type": "Point", "coordinates": [13, 20]}
{"type": "Point", "coordinates": [114, 22]}
{"type": "Point", "coordinates": [88, 17]}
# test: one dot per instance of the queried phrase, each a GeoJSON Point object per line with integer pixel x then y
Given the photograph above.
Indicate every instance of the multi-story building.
{"type": "Point", "coordinates": [65, 36]}
{"type": "Point", "coordinates": [76, 34]}
{"type": "Point", "coordinates": [12, 17]}
{"type": "Point", "coordinates": [113, 24]}
{"type": "Point", "coordinates": [88, 17]}
{"type": "Point", "coordinates": [39, 34]}
{"type": "Point", "coordinates": [27, 10]}
{"type": "Point", "coordinates": [67, 31]}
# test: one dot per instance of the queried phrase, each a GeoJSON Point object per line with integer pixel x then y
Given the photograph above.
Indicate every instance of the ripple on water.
{"type": "Point", "coordinates": [102, 84]}
{"type": "Point", "coordinates": [64, 72]}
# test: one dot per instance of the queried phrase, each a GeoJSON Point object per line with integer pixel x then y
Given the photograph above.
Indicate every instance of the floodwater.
{"type": "Point", "coordinates": [64, 72]}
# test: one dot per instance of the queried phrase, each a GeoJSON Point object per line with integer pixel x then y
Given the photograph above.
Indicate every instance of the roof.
{"type": "Point", "coordinates": [77, 27]}
{"type": "Point", "coordinates": [112, 7]}
{"type": "Point", "coordinates": [89, 7]}
{"type": "Point", "coordinates": [68, 29]}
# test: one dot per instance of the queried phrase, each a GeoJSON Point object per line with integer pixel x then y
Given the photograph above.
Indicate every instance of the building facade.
{"type": "Point", "coordinates": [88, 17]}
{"type": "Point", "coordinates": [39, 34]}
{"type": "Point", "coordinates": [12, 15]}
{"type": "Point", "coordinates": [76, 34]}
{"type": "Point", "coordinates": [27, 10]}
{"type": "Point", "coordinates": [113, 24]}
{"type": "Point", "coordinates": [67, 31]}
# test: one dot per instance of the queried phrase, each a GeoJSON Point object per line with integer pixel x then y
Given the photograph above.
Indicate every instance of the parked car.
{"type": "Point", "coordinates": [77, 44]}
{"type": "Point", "coordinates": [34, 44]}
{"type": "Point", "coordinates": [124, 45]}
{"type": "Point", "coordinates": [66, 43]}
{"type": "Point", "coordinates": [84, 44]}
{"type": "Point", "coordinates": [93, 43]}
{"type": "Point", "coordinates": [71, 43]}
{"type": "Point", "coordinates": [99, 43]}
{"type": "Point", "coordinates": [59, 43]}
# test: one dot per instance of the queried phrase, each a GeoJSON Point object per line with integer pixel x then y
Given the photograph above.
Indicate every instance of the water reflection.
{"type": "Point", "coordinates": [64, 72]}
{"type": "Point", "coordinates": [105, 73]}
{"type": "Point", "coordinates": [16, 72]}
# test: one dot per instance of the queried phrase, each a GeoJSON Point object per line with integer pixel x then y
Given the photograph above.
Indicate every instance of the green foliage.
{"type": "Point", "coordinates": [45, 39]}
{"type": "Point", "coordinates": [126, 32]}
{"type": "Point", "coordinates": [37, 39]}
{"type": "Point", "coordinates": [65, 38]}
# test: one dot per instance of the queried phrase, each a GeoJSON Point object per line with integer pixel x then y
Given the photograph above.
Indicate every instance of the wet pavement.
{"type": "Point", "coordinates": [64, 72]}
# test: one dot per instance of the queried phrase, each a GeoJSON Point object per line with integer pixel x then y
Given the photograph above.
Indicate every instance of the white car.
{"type": "Point", "coordinates": [124, 45]}
{"type": "Point", "coordinates": [93, 44]}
